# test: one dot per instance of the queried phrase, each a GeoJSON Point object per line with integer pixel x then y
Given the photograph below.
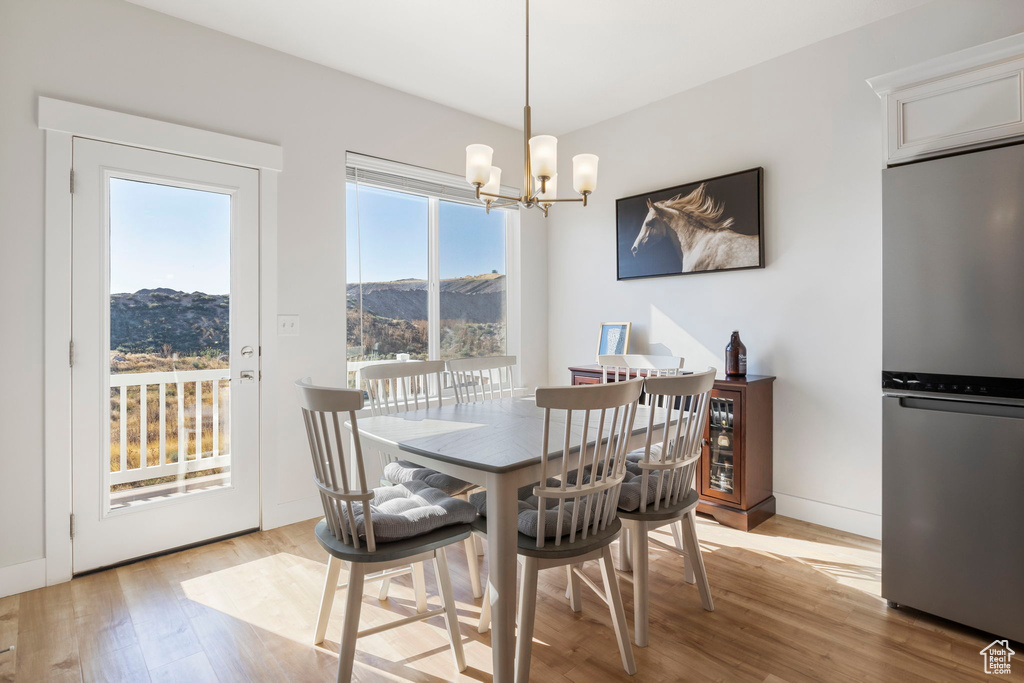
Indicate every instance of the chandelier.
{"type": "Point", "coordinates": [540, 169]}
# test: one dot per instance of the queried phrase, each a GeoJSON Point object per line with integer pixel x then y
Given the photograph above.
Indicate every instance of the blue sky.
{"type": "Point", "coordinates": [387, 232]}
{"type": "Point", "coordinates": [162, 236]}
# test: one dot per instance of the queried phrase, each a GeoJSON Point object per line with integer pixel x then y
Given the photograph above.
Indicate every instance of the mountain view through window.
{"type": "Point", "coordinates": [388, 267]}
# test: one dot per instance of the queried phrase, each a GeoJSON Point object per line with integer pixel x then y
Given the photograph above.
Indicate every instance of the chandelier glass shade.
{"type": "Point", "coordinates": [540, 165]}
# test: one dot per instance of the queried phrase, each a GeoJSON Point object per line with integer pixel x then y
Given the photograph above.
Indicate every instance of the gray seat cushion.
{"type": "Point", "coordinates": [401, 471]}
{"type": "Point", "coordinates": [630, 493]}
{"type": "Point", "coordinates": [665, 513]}
{"type": "Point", "coordinates": [411, 509]}
{"type": "Point", "coordinates": [531, 520]}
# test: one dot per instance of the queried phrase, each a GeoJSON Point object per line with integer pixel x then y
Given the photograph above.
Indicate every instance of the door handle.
{"type": "Point", "coordinates": [963, 407]}
{"type": "Point", "coordinates": [247, 376]}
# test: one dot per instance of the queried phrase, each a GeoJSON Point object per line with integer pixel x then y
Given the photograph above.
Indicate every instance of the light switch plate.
{"type": "Point", "coordinates": [288, 325]}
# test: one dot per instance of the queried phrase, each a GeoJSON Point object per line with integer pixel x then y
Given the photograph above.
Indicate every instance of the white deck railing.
{"type": "Point", "coordinates": [163, 468]}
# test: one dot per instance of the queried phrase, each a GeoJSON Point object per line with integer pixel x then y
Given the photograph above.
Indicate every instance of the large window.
{"type": "Point", "coordinates": [426, 275]}
{"type": "Point", "coordinates": [387, 253]}
{"type": "Point", "coordinates": [473, 283]}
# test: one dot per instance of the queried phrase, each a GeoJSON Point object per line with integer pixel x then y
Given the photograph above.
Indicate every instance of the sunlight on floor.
{"type": "Point", "coordinates": [281, 594]}
{"type": "Point", "coordinates": [856, 567]}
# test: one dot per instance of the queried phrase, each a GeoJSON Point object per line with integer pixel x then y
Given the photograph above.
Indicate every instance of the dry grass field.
{"type": "Point", "coordinates": [176, 445]}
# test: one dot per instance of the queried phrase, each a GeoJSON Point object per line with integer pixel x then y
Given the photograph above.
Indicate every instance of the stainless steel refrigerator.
{"type": "Point", "coordinates": [953, 388]}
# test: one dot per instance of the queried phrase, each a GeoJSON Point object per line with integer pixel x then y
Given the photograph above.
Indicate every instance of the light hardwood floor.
{"type": "Point", "coordinates": [794, 602]}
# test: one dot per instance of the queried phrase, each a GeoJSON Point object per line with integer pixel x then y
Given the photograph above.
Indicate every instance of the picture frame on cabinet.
{"type": "Point", "coordinates": [614, 339]}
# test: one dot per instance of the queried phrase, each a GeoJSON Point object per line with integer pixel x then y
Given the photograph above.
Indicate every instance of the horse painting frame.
{"type": "Point", "coordinates": [708, 226]}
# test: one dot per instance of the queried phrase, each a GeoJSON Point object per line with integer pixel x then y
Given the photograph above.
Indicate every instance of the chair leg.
{"type": "Point", "coordinates": [677, 536]}
{"type": "Point", "coordinates": [695, 560]}
{"type": "Point", "coordinates": [474, 567]}
{"type": "Point", "coordinates": [479, 545]}
{"type": "Point", "coordinates": [451, 616]}
{"type": "Point", "coordinates": [573, 591]}
{"type": "Point", "coordinates": [419, 585]}
{"type": "Point", "coordinates": [327, 600]}
{"type": "Point", "coordinates": [485, 613]}
{"type": "Point", "coordinates": [527, 612]}
{"type": "Point", "coordinates": [641, 590]}
{"type": "Point", "coordinates": [350, 626]}
{"type": "Point", "coordinates": [382, 593]}
{"type": "Point", "coordinates": [611, 587]}
{"type": "Point", "coordinates": [624, 563]}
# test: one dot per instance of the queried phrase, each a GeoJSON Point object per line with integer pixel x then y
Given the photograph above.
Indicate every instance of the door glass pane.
{"type": "Point", "coordinates": [723, 437]}
{"type": "Point", "coordinates": [170, 394]}
{"type": "Point", "coordinates": [386, 265]}
{"type": "Point", "coordinates": [473, 283]}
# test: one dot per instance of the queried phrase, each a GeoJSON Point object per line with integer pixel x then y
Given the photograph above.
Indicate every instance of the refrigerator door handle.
{"type": "Point", "coordinates": [964, 398]}
{"type": "Point", "coordinates": [963, 407]}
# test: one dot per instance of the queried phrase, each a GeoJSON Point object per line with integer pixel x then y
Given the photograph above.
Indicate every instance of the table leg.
{"type": "Point", "coordinates": [502, 536]}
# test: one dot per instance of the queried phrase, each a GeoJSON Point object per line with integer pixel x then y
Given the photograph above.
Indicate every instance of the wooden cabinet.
{"type": "Point", "coordinates": [735, 476]}
{"type": "Point", "coordinates": [736, 466]}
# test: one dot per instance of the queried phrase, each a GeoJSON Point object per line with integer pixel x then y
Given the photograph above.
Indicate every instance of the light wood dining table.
{"type": "Point", "coordinates": [495, 444]}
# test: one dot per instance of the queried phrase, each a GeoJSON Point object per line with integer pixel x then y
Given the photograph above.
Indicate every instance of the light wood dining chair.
{"type": "Point", "coordinates": [482, 379]}
{"type": "Point", "coordinates": [377, 533]}
{"type": "Point", "coordinates": [403, 386]}
{"type": "Point", "coordinates": [411, 385]}
{"type": "Point", "coordinates": [570, 516]}
{"type": "Point", "coordinates": [659, 487]}
{"type": "Point", "coordinates": [641, 365]}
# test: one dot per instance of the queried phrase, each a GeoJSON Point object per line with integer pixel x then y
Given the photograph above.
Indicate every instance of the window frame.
{"type": "Point", "coordinates": [512, 297]}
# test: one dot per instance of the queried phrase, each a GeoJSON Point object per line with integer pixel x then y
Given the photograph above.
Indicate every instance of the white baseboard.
{"type": "Point", "coordinates": [293, 511]}
{"type": "Point", "coordinates": [19, 578]}
{"type": "Point", "coordinates": [834, 516]}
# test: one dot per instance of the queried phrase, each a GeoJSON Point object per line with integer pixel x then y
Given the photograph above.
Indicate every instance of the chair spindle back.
{"type": "Point", "coordinates": [589, 475]}
{"type": "Point", "coordinates": [482, 379]}
{"type": "Point", "coordinates": [403, 385]}
{"type": "Point", "coordinates": [641, 366]}
{"type": "Point", "coordinates": [684, 399]}
{"type": "Point", "coordinates": [324, 410]}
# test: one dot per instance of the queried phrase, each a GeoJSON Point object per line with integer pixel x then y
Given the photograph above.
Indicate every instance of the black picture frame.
{"type": "Point", "coordinates": [741, 198]}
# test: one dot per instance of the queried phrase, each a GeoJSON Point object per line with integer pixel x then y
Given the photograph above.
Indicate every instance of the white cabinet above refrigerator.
{"type": "Point", "coordinates": [964, 100]}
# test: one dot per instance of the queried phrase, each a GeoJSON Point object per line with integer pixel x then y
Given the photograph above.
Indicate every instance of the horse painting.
{"type": "Point", "coordinates": [693, 226]}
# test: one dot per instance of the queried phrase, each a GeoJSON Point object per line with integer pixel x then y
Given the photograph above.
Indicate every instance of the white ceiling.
{"type": "Point", "coordinates": [591, 59]}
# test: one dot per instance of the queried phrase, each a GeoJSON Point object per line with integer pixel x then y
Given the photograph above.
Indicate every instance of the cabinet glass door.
{"type": "Point", "coordinates": [721, 476]}
{"type": "Point", "coordinates": [723, 459]}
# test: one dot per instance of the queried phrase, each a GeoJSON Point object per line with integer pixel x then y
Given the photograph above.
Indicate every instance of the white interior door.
{"type": "Point", "coordinates": [165, 355]}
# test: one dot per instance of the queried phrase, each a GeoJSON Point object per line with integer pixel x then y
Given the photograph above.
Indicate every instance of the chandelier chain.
{"type": "Point", "coordinates": [527, 53]}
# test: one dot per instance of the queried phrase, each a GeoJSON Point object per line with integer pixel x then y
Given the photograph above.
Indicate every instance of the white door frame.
{"type": "Point", "coordinates": [61, 121]}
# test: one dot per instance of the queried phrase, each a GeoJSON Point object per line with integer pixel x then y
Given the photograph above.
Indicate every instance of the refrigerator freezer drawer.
{"type": "Point", "coordinates": [953, 511]}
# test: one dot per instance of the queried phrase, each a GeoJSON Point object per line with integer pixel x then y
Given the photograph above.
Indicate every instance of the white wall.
{"type": "Point", "coordinates": [813, 316]}
{"type": "Point", "coordinates": [118, 56]}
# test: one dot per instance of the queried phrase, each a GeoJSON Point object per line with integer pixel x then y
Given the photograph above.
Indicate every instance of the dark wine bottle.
{"type": "Point", "coordinates": [735, 357]}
